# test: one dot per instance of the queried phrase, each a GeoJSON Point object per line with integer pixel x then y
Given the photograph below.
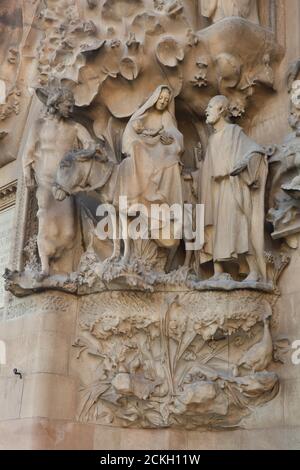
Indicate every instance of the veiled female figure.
{"type": "Point", "coordinates": [153, 145]}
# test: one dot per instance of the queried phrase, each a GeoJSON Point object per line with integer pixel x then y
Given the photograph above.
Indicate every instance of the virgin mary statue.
{"type": "Point", "coordinates": [153, 145]}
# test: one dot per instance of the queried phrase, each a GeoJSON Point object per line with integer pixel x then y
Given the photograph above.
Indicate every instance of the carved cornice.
{"type": "Point", "coordinates": [8, 195]}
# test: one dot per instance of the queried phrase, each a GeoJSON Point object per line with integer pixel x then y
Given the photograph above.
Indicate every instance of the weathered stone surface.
{"type": "Point", "coordinates": [11, 389]}
{"type": "Point", "coordinates": [172, 349]}
{"type": "Point", "coordinates": [6, 228]}
{"type": "Point", "coordinates": [48, 396]}
{"type": "Point", "coordinates": [164, 342]}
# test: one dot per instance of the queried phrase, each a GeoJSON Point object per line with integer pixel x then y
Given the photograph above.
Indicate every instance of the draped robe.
{"type": "Point", "coordinates": [234, 205]}
{"type": "Point", "coordinates": [151, 172]}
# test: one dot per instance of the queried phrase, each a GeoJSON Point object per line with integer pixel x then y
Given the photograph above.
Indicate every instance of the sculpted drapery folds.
{"type": "Point", "coordinates": [233, 183]}
{"type": "Point", "coordinates": [153, 145]}
{"type": "Point", "coordinates": [52, 137]}
{"type": "Point", "coordinates": [284, 213]}
{"type": "Point", "coordinates": [112, 70]}
{"type": "Point", "coordinates": [219, 9]}
{"type": "Point", "coordinates": [293, 140]}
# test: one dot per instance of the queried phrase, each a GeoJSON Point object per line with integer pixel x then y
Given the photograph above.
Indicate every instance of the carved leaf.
{"type": "Point", "coordinates": [154, 418]}
{"type": "Point", "coordinates": [169, 52]}
{"type": "Point", "coordinates": [129, 68]}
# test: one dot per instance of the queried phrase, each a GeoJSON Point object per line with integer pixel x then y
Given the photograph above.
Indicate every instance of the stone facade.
{"type": "Point", "coordinates": [146, 343]}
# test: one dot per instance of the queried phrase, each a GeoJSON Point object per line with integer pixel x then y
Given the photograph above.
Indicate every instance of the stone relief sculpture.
{"type": "Point", "coordinates": [53, 136]}
{"type": "Point", "coordinates": [153, 145]}
{"type": "Point", "coordinates": [88, 170]}
{"type": "Point", "coordinates": [18, 31]}
{"type": "Point", "coordinates": [167, 365]}
{"type": "Point", "coordinates": [233, 183]}
{"type": "Point", "coordinates": [149, 173]}
{"type": "Point", "coordinates": [178, 337]}
{"type": "Point", "coordinates": [284, 213]}
{"type": "Point", "coordinates": [231, 188]}
{"type": "Point", "coordinates": [260, 355]}
{"type": "Point", "coordinates": [216, 10]}
{"type": "Point", "coordinates": [118, 61]}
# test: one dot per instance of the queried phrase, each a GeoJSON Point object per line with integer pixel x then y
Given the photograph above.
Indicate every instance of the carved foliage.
{"type": "Point", "coordinates": [172, 360]}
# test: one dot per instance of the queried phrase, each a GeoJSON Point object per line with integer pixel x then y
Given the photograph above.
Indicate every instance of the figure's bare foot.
{"type": "Point", "coordinates": [253, 276]}
{"type": "Point", "coordinates": [113, 258]}
{"type": "Point", "coordinates": [125, 260]}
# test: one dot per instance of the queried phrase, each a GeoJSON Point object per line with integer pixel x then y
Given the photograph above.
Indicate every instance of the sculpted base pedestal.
{"type": "Point", "coordinates": [174, 359]}
{"type": "Point", "coordinates": [172, 363]}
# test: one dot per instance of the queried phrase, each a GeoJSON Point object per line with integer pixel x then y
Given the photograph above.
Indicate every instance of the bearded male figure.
{"type": "Point", "coordinates": [233, 180]}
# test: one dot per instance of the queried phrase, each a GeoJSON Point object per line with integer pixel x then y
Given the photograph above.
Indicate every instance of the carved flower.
{"type": "Point", "coordinates": [141, 320]}
{"type": "Point", "coordinates": [206, 331]}
{"type": "Point", "coordinates": [200, 79]}
{"type": "Point", "coordinates": [189, 356]}
{"type": "Point", "coordinates": [114, 43]}
{"type": "Point", "coordinates": [125, 328]}
{"type": "Point", "coordinates": [129, 68]}
{"type": "Point", "coordinates": [194, 375]}
{"type": "Point", "coordinates": [237, 108]}
{"type": "Point", "coordinates": [104, 327]}
{"type": "Point", "coordinates": [176, 329]}
{"type": "Point", "coordinates": [169, 52]}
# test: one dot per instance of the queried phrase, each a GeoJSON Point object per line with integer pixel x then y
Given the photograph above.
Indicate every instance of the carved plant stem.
{"type": "Point", "coordinates": [208, 357]}
{"type": "Point", "coordinates": [164, 320]}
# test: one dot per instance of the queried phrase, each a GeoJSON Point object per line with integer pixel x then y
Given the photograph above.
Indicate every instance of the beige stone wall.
{"type": "Point", "coordinates": [39, 410]}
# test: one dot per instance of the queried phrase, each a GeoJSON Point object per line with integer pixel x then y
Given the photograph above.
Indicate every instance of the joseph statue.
{"type": "Point", "coordinates": [232, 188]}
